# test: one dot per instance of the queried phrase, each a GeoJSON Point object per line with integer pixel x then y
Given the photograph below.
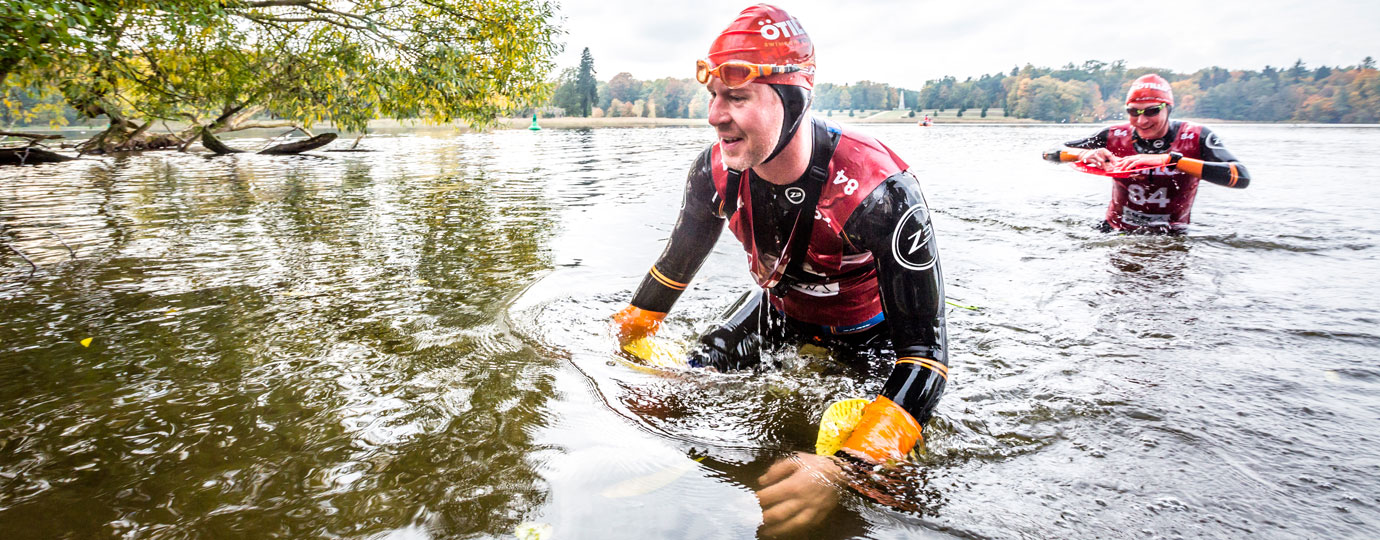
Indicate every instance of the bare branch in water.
{"type": "Point", "coordinates": [64, 244]}
{"type": "Point", "coordinates": [22, 256]}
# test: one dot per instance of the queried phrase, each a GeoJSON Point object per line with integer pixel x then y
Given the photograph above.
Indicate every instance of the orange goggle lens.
{"type": "Point", "coordinates": [736, 73]}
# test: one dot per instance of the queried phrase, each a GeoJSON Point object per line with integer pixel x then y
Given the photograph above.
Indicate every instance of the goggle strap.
{"type": "Point", "coordinates": [756, 70]}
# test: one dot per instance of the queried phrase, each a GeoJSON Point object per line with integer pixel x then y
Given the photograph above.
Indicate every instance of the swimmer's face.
{"type": "Point", "coordinates": [1149, 127]}
{"type": "Point", "coordinates": [747, 121]}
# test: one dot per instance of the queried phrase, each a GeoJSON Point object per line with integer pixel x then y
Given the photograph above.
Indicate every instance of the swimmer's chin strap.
{"type": "Point", "coordinates": [826, 139]}
{"type": "Point", "coordinates": [795, 100]}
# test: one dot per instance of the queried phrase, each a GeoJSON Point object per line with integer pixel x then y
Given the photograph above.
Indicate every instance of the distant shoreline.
{"type": "Point", "coordinates": [386, 126]}
{"type": "Point", "coordinates": [883, 117]}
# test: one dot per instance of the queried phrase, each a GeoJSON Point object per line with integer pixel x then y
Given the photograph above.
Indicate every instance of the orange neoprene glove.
{"type": "Point", "coordinates": [636, 323]}
{"type": "Point", "coordinates": [1062, 156]}
{"type": "Point", "coordinates": [885, 432]}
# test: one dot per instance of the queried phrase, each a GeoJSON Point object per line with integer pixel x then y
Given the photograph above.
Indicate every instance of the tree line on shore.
{"type": "Point", "coordinates": [1095, 91]}
{"type": "Point", "coordinates": [578, 93]}
{"type": "Point", "coordinates": [1089, 92]}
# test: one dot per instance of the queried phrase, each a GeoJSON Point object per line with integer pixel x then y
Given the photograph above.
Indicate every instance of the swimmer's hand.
{"type": "Point", "coordinates": [1140, 161]}
{"type": "Point", "coordinates": [797, 493]}
{"type": "Point", "coordinates": [635, 323]}
{"type": "Point", "coordinates": [1097, 158]}
{"type": "Point", "coordinates": [886, 432]}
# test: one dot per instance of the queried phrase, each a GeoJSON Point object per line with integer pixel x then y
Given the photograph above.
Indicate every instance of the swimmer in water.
{"type": "Point", "coordinates": [1158, 200]}
{"type": "Point", "coordinates": [838, 237]}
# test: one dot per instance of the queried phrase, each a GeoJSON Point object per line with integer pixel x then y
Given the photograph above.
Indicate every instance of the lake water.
{"type": "Point", "coordinates": [413, 343]}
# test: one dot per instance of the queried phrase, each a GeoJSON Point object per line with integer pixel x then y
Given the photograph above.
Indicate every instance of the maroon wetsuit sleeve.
{"type": "Point", "coordinates": [696, 231]}
{"type": "Point", "coordinates": [1219, 165]}
{"type": "Point", "coordinates": [893, 223]}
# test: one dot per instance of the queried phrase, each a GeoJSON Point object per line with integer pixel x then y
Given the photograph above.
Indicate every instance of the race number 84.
{"type": "Point", "coordinates": [1159, 197]}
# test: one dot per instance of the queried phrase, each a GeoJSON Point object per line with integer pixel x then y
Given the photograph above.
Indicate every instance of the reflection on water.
{"type": "Point", "coordinates": [285, 347]}
{"type": "Point", "coordinates": [413, 342]}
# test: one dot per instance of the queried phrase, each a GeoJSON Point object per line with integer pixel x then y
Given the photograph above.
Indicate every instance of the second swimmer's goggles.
{"type": "Point", "coordinates": [1150, 112]}
{"type": "Point", "coordinates": [737, 73]}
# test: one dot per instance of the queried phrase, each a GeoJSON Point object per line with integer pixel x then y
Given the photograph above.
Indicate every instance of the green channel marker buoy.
{"type": "Point", "coordinates": [534, 127]}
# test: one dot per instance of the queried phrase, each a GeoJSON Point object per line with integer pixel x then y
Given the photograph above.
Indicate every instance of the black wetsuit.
{"type": "Point", "coordinates": [912, 300]}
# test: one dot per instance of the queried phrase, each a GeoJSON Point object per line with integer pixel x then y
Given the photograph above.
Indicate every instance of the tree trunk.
{"type": "Point", "coordinates": [300, 146]}
{"type": "Point", "coordinates": [213, 144]}
{"type": "Point", "coordinates": [30, 156]}
{"type": "Point", "coordinates": [126, 136]}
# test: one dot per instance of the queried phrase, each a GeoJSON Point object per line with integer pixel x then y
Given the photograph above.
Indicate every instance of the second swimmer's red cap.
{"type": "Point", "coordinates": [1150, 88]}
{"type": "Point", "coordinates": [765, 34]}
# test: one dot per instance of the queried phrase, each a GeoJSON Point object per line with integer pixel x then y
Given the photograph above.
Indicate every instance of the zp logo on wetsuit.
{"type": "Point", "coordinates": [912, 236]}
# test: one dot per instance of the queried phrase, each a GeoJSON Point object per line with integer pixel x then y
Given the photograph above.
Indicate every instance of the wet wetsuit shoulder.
{"type": "Point", "coordinates": [893, 224]}
{"type": "Point", "coordinates": [1099, 140]}
{"type": "Point", "coordinates": [1219, 165]}
{"type": "Point", "coordinates": [697, 229]}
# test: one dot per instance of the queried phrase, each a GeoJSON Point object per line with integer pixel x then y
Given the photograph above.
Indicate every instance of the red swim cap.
{"type": "Point", "coordinates": [764, 34]}
{"type": "Point", "coordinates": [1152, 88]}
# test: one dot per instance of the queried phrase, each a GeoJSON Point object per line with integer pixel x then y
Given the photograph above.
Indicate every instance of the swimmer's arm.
{"type": "Point", "coordinates": [693, 238]}
{"type": "Point", "coordinates": [1090, 150]}
{"type": "Point", "coordinates": [1218, 165]}
{"type": "Point", "coordinates": [912, 291]}
{"type": "Point", "coordinates": [1098, 140]}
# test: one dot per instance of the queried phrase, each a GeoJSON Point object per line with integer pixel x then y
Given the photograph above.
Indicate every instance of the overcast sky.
{"type": "Point", "coordinates": [905, 42]}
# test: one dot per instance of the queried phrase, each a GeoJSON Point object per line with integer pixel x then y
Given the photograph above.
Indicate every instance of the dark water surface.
{"type": "Point", "coordinates": [412, 343]}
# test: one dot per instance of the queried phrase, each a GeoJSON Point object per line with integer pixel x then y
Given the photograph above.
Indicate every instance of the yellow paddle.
{"type": "Point", "coordinates": [656, 353]}
{"type": "Point", "coordinates": [837, 424]}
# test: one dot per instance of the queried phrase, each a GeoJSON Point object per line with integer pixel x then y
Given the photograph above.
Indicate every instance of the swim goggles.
{"type": "Point", "coordinates": [737, 73]}
{"type": "Point", "coordinates": [1148, 111]}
